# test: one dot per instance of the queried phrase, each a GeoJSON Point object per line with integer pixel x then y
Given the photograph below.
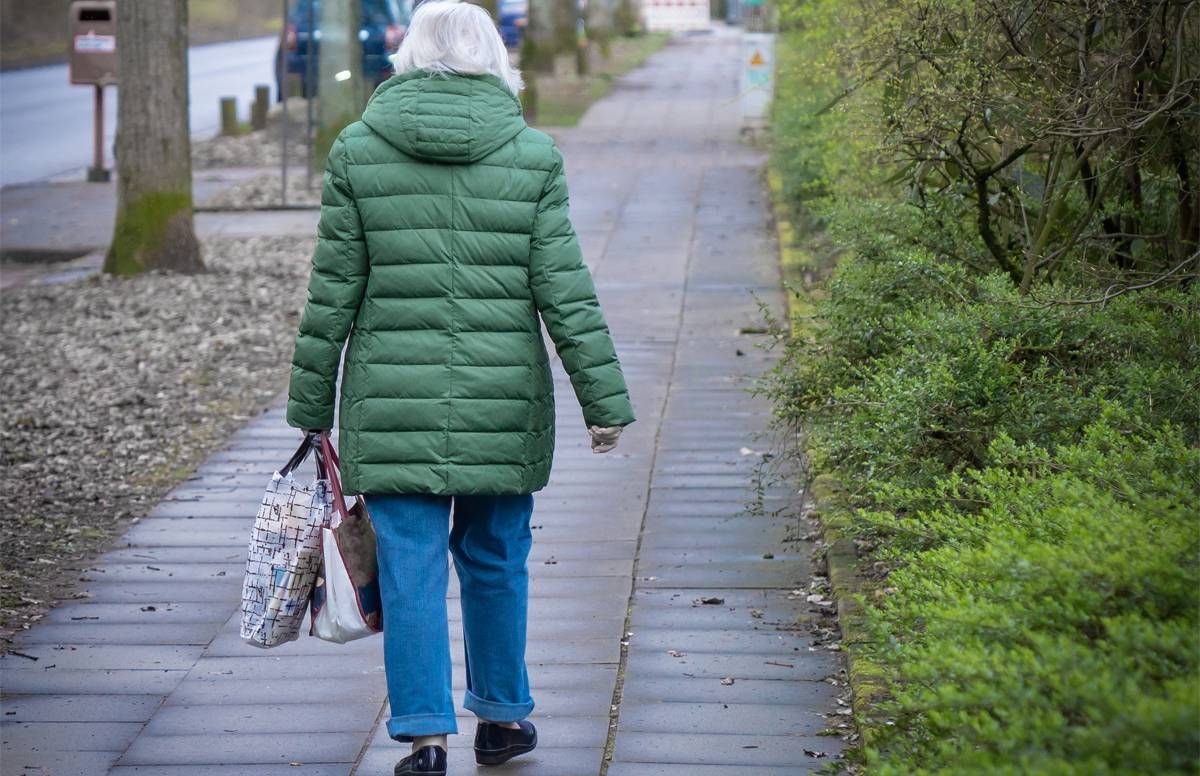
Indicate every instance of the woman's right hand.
{"type": "Point", "coordinates": [604, 438]}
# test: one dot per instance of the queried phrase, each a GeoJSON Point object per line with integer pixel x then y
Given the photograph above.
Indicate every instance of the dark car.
{"type": "Point", "coordinates": [384, 23]}
{"type": "Point", "coordinates": [514, 16]}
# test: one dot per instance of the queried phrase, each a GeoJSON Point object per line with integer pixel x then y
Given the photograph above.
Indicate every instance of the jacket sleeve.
{"type": "Point", "coordinates": [566, 298]}
{"type": "Point", "coordinates": [335, 290]}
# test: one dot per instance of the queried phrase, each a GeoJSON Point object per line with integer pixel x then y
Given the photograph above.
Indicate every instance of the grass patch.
{"type": "Point", "coordinates": [564, 97]}
{"type": "Point", "coordinates": [214, 21]}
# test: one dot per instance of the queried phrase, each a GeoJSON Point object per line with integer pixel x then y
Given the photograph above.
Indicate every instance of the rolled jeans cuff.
{"type": "Point", "coordinates": [496, 712]}
{"type": "Point", "coordinates": [406, 727]}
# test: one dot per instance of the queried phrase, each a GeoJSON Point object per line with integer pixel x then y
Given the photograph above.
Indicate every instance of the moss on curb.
{"type": "Point", "coordinates": [796, 263]}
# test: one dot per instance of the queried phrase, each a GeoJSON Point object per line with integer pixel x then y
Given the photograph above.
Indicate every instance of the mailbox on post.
{"type": "Point", "coordinates": [93, 61]}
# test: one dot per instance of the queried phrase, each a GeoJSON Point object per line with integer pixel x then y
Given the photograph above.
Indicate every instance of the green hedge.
{"type": "Point", "coordinates": [1027, 478]}
{"type": "Point", "coordinates": [1021, 468]}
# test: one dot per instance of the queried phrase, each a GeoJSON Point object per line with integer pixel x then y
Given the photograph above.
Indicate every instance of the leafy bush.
{"type": "Point", "coordinates": [1055, 135]}
{"type": "Point", "coordinates": [920, 365]}
{"type": "Point", "coordinates": [1028, 478]}
{"type": "Point", "coordinates": [1020, 454]}
{"type": "Point", "coordinates": [1052, 629]}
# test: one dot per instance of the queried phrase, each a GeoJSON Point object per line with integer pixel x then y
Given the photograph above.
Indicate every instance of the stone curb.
{"type": "Point", "coordinates": [841, 555]}
{"type": "Point", "coordinates": [848, 588]}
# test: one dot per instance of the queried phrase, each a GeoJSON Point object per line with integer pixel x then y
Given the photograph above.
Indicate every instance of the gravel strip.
{"type": "Point", "coordinates": [266, 191]}
{"type": "Point", "coordinates": [255, 149]}
{"type": "Point", "coordinates": [117, 388]}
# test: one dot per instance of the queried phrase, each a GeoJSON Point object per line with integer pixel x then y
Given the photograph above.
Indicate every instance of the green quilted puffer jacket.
{"type": "Point", "coordinates": [443, 234]}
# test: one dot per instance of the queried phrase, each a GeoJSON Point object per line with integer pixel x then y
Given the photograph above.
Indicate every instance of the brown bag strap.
{"type": "Point", "coordinates": [333, 467]}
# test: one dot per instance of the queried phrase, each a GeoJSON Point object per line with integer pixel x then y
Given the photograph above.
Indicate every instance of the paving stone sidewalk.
{"type": "Point", "coordinates": [145, 674]}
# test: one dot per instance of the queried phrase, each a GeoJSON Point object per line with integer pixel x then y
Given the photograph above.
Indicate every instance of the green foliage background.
{"type": "Point", "coordinates": [1015, 437]}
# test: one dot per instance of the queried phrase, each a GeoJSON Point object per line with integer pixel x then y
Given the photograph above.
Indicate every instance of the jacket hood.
{"type": "Point", "coordinates": [451, 119]}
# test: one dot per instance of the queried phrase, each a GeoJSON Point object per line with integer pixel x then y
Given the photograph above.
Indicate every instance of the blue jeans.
{"type": "Point", "coordinates": [490, 541]}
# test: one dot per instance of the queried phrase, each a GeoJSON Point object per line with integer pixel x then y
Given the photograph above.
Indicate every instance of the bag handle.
{"type": "Point", "coordinates": [306, 447]}
{"type": "Point", "coordinates": [333, 473]}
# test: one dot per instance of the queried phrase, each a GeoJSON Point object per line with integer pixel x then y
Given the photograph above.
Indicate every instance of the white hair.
{"type": "Point", "coordinates": [448, 36]}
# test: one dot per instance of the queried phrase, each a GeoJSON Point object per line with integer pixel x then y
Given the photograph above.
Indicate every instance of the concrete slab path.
{"type": "Point", "coordinates": [632, 676]}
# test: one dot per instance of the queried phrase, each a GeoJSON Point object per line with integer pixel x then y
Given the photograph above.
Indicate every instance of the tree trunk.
{"type": "Point", "coordinates": [601, 20]}
{"type": "Point", "coordinates": [583, 42]}
{"type": "Point", "coordinates": [340, 81]}
{"type": "Point", "coordinates": [625, 18]}
{"type": "Point", "coordinates": [153, 228]}
{"type": "Point", "coordinates": [540, 45]}
{"type": "Point", "coordinates": [566, 30]}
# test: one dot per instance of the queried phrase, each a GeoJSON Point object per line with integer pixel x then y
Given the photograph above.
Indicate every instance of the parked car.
{"type": "Point", "coordinates": [514, 16]}
{"type": "Point", "coordinates": [384, 23]}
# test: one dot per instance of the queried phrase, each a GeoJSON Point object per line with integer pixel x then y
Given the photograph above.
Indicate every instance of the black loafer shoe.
{"type": "Point", "coordinates": [429, 760]}
{"type": "Point", "coordinates": [495, 744]}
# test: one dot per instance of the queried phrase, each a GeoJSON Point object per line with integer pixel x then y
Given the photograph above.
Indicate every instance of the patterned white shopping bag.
{"type": "Point", "coordinates": [285, 552]}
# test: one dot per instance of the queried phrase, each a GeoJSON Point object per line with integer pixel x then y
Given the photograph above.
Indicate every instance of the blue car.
{"type": "Point", "coordinates": [514, 16]}
{"type": "Point", "coordinates": [384, 23]}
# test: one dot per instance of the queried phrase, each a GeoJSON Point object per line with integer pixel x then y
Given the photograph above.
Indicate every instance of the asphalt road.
{"type": "Point", "coordinates": [46, 123]}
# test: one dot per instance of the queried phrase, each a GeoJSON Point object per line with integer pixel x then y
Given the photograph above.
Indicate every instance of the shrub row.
{"type": "Point", "coordinates": [1021, 466]}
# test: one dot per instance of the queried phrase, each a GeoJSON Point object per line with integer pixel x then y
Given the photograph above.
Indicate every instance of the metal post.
{"type": "Point", "coordinates": [283, 117]}
{"type": "Point", "coordinates": [96, 173]}
{"type": "Point", "coordinates": [309, 85]}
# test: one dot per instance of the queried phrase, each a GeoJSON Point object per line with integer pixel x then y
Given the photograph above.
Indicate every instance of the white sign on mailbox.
{"type": "Point", "coordinates": [93, 42]}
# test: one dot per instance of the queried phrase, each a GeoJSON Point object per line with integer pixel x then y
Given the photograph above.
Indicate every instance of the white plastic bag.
{"type": "Point", "coordinates": [346, 603]}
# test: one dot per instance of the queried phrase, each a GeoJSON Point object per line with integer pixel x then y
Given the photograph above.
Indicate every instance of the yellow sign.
{"type": "Point", "coordinates": [757, 60]}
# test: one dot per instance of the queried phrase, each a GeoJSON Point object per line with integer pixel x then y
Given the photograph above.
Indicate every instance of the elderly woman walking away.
{"type": "Point", "coordinates": [444, 234]}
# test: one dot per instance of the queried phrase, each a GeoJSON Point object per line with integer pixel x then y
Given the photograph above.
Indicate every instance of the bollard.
{"type": "Point", "coordinates": [229, 120]}
{"type": "Point", "coordinates": [258, 111]}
